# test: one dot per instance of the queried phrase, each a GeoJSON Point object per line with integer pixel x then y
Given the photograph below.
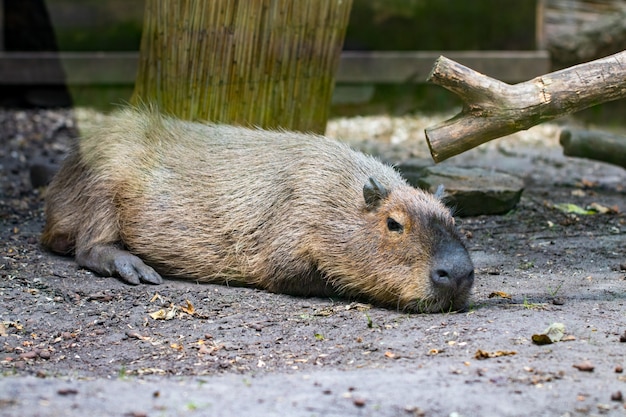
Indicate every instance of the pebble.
{"type": "Point", "coordinates": [44, 354]}
{"type": "Point", "coordinates": [584, 366]}
{"type": "Point", "coordinates": [359, 402]}
{"type": "Point", "coordinates": [617, 396]}
{"type": "Point", "coordinates": [28, 355]}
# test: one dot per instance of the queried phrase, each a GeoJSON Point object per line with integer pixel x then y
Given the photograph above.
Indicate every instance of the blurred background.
{"type": "Point", "coordinates": [512, 40]}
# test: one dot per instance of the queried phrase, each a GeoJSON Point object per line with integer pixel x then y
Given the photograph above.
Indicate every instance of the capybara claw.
{"type": "Point", "coordinates": [132, 270]}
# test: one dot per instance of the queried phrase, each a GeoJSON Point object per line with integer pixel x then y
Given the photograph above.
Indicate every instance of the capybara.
{"type": "Point", "coordinates": [147, 195]}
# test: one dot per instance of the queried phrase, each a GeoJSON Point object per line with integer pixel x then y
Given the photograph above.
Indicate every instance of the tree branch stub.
{"type": "Point", "coordinates": [493, 109]}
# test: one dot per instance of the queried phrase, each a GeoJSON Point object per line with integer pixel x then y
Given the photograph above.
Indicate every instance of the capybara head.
{"type": "Point", "coordinates": [410, 256]}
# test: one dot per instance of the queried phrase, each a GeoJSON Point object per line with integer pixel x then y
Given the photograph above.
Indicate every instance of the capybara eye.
{"type": "Point", "coordinates": [394, 226]}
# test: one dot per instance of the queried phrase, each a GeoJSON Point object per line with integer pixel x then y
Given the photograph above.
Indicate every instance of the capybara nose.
{"type": "Point", "coordinates": [452, 277]}
{"type": "Point", "coordinates": [452, 267]}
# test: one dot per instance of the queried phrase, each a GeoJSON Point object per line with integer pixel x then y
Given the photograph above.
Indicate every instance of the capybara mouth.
{"type": "Point", "coordinates": [442, 301]}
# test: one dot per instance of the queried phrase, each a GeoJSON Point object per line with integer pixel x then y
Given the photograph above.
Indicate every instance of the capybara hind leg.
{"type": "Point", "coordinates": [109, 260]}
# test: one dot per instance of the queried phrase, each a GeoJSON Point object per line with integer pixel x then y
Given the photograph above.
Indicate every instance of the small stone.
{"type": "Point", "coordinates": [67, 391]}
{"type": "Point", "coordinates": [619, 369]}
{"type": "Point", "coordinates": [29, 355]}
{"type": "Point", "coordinates": [44, 354]}
{"type": "Point", "coordinates": [558, 301]}
{"type": "Point", "coordinates": [359, 402]}
{"type": "Point", "coordinates": [622, 338]}
{"type": "Point", "coordinates": [617, 396]}
{"type": "Point", "coordinates": [584, 366]}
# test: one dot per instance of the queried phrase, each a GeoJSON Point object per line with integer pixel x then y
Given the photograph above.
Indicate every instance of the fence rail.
{"type": "Point", "coordinates": [355, 67]}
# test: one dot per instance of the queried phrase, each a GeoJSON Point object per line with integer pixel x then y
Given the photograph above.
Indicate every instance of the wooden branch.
{"type": "Point", "coordinates": [600, 146]}
{"type": "Point", "coordinates": [493, 109]}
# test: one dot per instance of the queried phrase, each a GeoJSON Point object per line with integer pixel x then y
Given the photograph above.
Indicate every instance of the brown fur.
{"type": "Point", "coordinates": [281, 211]}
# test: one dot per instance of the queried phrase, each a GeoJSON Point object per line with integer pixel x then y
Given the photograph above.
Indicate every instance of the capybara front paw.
{"type": "Point", "coordinates": [133, 271]}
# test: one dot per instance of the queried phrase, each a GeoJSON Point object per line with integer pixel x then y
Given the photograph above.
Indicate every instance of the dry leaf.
{"type": "Point", "coordinates": [482, 354]}
{"type": "Point", "coordinates": [155, 297]}
{"type": "Point", "coordinates": [602, 209]}
{"type": "Point", "coordinates": [158, 315]}
{"type": "Point", "coordinates": [164, 314]}
{"type": "Point", "coordinates": [554, 333]}
{"type": "Point", "coordinates": [188, 308]}
{"type": "Point", "coordinates": [358, 306]}
{"type": "Point", "coordinates": [136, 335]}
{"type": "Point", "coordinates": [3, 330]}
{"type": "Point", "coordinates": [500, 294]}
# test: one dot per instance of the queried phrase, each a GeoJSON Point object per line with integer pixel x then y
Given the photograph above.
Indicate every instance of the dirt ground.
{"type": "Point", "coordinates": [75, 344]}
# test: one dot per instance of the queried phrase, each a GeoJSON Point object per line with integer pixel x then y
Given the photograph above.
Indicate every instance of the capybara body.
{"type": "Point", "coordinates": [148, 195]}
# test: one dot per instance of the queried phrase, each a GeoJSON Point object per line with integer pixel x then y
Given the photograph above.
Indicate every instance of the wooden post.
{"type": "Point", "coordinates": [266, 63]}
{"type": "Point", "coordinates": [493, 109]}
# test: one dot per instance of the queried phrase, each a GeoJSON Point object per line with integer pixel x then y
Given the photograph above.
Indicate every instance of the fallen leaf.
{"type": "Point", "coordinates": [570, 208]}
{"type": "Point", "coordinates": [14, 324]}
{"type": "Point", "coordinates": [164, 314]}
{"type": "Point", "coordinates": [482, 354]}
{"type": "Point", "coordinates": [136, 335]}
{"type": "Point", "coordinates": [500, 294]}
{"type": "Point", "coordinates": [584, 366]}
{"type": "Point", "coordinates": [554, 333]}
{"type": "Point", "coordinates": [358, 306]}
{"type": "Point", "coordinates": [188, 308]}
{"type": "Point", "coordinates": [3, 330]}
{"type": "Point", "coordinates": [602, 209]}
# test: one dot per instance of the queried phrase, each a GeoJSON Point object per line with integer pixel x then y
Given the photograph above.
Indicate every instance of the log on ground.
{"type": "Point", "coordinates": [597, 145]}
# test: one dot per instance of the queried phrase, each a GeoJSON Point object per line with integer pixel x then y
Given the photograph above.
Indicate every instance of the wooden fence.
{"type": "Point", "coordinates": [119, 68]}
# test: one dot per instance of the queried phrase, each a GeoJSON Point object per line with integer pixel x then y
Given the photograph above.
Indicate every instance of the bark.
{"type": "Point", "coordinates": [600, 146]}
{"type": "Point", "coordinates": [493, 109]}
{"type": "Point", "coordinates": [599, 38]}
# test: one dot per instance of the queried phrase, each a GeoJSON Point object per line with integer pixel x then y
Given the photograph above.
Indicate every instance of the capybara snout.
{"type": "Point", "coordinates": [147, 195]}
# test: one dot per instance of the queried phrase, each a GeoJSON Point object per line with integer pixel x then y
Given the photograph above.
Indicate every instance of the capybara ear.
{"type": "Point", "coordinates": [374, 193]}
{"type": "Point", "coordinates": [440, 193]}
